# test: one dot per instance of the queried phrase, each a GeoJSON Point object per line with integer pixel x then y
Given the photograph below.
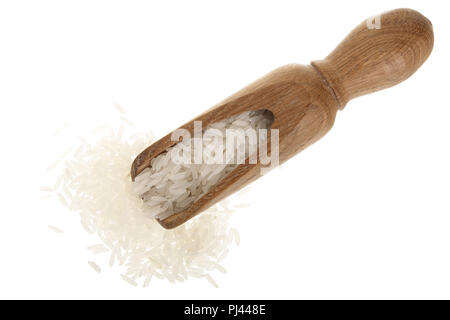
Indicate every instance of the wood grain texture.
{"type": "Point", "coordinates": [368, 60]}
{"type": "Point", "coordinates": [304, 99]}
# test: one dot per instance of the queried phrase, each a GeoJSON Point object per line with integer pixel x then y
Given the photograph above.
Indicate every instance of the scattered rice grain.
{"type": "Point", "coordinates": [211, 280]}
{"type": "Point", "coordinates": [60, 129]}
{"type": "Point", "coordinates": [55, 229]}
{"type": "Point", "coordinates": [129, 280]}
{"type": "Point", "coordinates": [119, 108]}
{"type": "Point", "coordinates": [95, 266]}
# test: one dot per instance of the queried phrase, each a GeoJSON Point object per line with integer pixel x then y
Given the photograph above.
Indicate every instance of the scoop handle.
{"type": "Point", "coordinates": [379, 53]}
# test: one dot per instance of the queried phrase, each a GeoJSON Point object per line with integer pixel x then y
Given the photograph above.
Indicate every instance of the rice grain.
{"type": "Point", "coordinates": [211, 280]}
{"type": "Point", "coordinates": [95, 266]}
{"type": "Point", "coordinates": [55, 229]}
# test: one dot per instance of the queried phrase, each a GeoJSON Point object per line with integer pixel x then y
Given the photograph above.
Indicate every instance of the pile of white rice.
{"type": "Point", "coordinates": [168, 186]}
{"type": "Point", "coordinates": [95, 183]}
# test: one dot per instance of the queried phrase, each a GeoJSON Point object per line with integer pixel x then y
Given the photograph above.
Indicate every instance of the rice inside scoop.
{"type": "Point", "coordinates": [169, 186]}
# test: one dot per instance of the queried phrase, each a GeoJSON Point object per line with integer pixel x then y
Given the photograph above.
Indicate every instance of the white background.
{"type": "Point", "coordinates": [363, 213]}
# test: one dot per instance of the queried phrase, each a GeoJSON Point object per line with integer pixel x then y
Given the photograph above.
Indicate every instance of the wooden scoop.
{"type": "Point", "coordinates": [379, 53]}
